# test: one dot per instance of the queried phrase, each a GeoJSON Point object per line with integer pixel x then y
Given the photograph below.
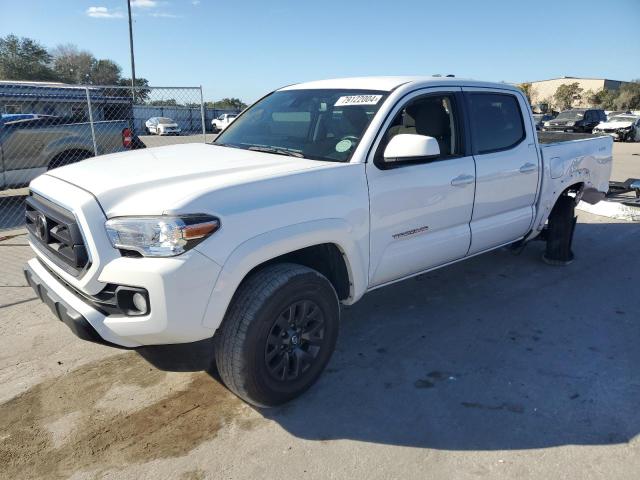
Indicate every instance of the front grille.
{"type": "Point", "coordinates": [56, 230]}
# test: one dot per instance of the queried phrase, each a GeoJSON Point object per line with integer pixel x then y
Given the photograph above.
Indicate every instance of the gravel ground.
{"type": "Point", "coordinates": [497, 367]}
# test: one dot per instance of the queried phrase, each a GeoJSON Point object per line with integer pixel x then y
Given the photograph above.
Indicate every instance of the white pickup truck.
{"type": "Point", "coordinates": [222, 122]}
{"type": "Point", "coordinates": [317, 194]}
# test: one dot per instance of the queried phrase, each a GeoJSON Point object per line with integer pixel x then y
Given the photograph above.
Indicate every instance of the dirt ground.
{"type": "Point", "coordinates": [497, 367]}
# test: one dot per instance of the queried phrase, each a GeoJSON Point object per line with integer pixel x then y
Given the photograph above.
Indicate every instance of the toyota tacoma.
{"type": "Point", "coordinates": [317, 194]}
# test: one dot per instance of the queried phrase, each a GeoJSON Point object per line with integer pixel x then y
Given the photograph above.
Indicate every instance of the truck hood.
{"type": "Point", "coordinates": [154, 181]}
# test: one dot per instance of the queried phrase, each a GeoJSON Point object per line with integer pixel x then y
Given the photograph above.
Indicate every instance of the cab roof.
{"type": "Point", "coordinates": [390, 83]}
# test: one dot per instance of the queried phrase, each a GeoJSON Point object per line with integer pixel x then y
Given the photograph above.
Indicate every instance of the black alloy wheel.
{"type": "Point", "coordinates": [294, 341]}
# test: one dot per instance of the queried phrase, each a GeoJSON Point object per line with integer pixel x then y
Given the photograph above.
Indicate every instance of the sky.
{"type": "Point", "coordinates": [246, 48]}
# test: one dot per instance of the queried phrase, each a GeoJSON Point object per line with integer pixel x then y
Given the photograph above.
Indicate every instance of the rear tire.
{"type": "Point", "coordinates": [278, 334]}
{"type": "Point", "coordinates": [560, 229]}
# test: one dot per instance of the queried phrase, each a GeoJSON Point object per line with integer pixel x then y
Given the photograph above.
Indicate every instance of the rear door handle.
{"type": "Point", "coordinates": [528, 167]}
{"type": "Point", "coordinates": [462, 180]}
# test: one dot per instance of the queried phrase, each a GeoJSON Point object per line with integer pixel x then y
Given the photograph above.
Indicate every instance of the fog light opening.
{"type": "Point", "coordinates": [132, 301]}
{"type": "Point", "coordinates": [140, 302]}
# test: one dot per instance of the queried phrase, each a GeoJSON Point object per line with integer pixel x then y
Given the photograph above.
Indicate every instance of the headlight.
{"type": "Point", "coordinates": [570, 124]}
{"type": "Point", "coordinates": [626, 129]}
{"type": "Point", "coordinates": [546, 124]}
{"type": "Point", "coordinates": [164, 236]}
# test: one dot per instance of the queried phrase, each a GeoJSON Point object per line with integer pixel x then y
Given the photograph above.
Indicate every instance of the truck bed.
{"type": "Point", "coordinates": [557, 137]}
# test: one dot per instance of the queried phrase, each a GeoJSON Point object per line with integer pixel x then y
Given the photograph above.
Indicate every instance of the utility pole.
{"type": "Point", "coordinates": [133, 62]}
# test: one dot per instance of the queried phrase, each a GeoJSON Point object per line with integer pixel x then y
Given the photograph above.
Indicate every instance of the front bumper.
{"type": "Point", "coordinates": [618, 134]}
{"type": "Point", "coordinates": [170, 131]}
{"type": "Point", "coordinates": [179, 289]}
{"type": "Point", "coordinates": [62, 309]}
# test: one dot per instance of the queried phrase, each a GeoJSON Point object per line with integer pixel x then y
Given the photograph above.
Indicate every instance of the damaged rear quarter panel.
{"type": "Point", "coordinates": [586, 162]}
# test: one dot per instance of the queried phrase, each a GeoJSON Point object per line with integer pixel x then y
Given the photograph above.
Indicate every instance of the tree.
{"type": "Point", "coordinates": [81, 67]}
{"type": "Point", "coordinates": [142, 89]}
{"type": "Point", "coordinates": [567, 93]}
{"type": "Point", "coordinates": [227, 104]}
{"type": "Point", "coordinates": [24, 59]}
{"type": "Point", "coordinates": [604, 98]}
{"type": "Point", "coordinates": [628, 97]}
{"type": "Point", "coordinates": [528, 91]}
{"type": "Point", "coordinates": [169, 102]}
{"type": "Point", "coordinates": [72, 65]}
{"type": "Point", "coordinates": [105, 72]}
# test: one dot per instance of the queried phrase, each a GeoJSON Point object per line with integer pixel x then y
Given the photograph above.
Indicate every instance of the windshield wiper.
{"type": "Point", "coordinates": [277, 151]}
{"type": "Point", "coordinates": [231, 145]}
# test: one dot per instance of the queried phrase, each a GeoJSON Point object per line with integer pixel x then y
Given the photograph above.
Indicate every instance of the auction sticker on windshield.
{"type": "Point", "coordinates": [357, 100]}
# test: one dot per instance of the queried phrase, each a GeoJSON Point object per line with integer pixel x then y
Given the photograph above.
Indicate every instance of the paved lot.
{"type": "Point", "coordinates": [498, 367]}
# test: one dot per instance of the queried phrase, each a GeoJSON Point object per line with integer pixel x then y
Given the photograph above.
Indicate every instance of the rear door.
{"type": "Point", "coordinates": [507, 167]}
{"type": "Point", "coordinates": [420, 209]}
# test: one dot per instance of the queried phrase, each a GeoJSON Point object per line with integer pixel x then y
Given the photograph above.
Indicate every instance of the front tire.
{"type": "Point", "coordinates": [278, 334]}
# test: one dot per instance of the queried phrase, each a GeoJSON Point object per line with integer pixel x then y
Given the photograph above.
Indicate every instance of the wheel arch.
{"type": "Point", "coordinates": [325, 258]}
{"type": "Point", "coordinates": [577, 188]}
{"type": "Point", "coordinates": [327, 246]}
{"type": "Point", "coordinates": [67, 154]}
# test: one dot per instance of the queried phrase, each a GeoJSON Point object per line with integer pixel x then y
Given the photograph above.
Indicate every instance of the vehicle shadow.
{"type": "Point", "coordinates": [498, 352]}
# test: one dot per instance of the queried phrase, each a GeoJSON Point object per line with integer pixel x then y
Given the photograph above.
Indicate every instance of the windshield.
{"type": "Point", "coordinates": [620, 118]}
{"type": "Point", "coordinates": [165, 120]}
{"type": "Point", "coordinates": [315, 124]}
{"type": "Point", "coordinates": [570, 115]}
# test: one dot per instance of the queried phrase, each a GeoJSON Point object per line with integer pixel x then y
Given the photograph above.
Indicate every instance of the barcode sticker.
{"type": "Point", "coordinates": [357, 100]}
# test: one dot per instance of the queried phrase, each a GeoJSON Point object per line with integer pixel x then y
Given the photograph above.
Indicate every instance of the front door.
{"type": "Point", "coordinates": [507, 167]}
{"type": "Point", "coordinates": [420, 210]}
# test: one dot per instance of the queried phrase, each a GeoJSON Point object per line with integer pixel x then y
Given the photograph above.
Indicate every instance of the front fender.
{"type": "Point", "coordinates": [266, 246]}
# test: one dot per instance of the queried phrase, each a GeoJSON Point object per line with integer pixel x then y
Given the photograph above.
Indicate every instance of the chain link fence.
{"type": "Point", "coordinates": [48, 125]}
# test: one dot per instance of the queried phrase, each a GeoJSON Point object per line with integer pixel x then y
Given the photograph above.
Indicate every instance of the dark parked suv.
{"type": "Point", "coordinates": [576, 120]}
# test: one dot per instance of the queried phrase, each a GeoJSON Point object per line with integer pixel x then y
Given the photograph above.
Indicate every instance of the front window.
{"type": "Point", "coordinates": [165, 120]}
{"type": "Point", "coordinates": [315, 124]}
{"type": "Point", "coordinates": [622, 119]}
{"type": "Point", "coordinates": [570, 115]}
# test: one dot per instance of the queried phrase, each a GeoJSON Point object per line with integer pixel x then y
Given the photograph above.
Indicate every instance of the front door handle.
{"type": "Point", "coordinates": [462, 180]}
{"type": "Point", "coordinates": [528, 167]}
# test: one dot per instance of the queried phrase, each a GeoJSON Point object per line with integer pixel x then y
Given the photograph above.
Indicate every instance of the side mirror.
{"type": "Point", "coordinates": [409, 146]}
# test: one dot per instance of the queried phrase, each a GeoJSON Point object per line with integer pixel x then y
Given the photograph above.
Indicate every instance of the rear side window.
{"type": "Point", "coordinates": [496, 121]}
